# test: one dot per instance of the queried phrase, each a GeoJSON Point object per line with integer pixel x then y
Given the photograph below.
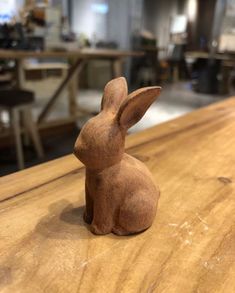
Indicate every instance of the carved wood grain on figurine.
{"type": "Point", "coordinates": [121, 196]}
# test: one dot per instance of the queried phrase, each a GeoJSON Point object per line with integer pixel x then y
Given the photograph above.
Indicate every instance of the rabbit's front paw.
{"type": "Point", "coordinates": [99, 230]}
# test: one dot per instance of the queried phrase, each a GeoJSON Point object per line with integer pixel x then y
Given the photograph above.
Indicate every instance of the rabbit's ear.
{"type": "Point", "coordinates": [135, 106]}
{"type": "Point", "coordinates": [115, 92]}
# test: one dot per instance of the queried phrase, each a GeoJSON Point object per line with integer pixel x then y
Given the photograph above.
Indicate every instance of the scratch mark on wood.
{"type": "Point", "coordinates": [225, 180]}
{"type": "Point", "coordinates": [173, 224]}
{"type": "Point", "coordinates": [203, 221]}
{"type": "Point", "coordinates": [86, 262]}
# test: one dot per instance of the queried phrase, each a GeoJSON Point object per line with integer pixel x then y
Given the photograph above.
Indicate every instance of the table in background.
{"type": "Point", "coordinates": [207, 55]}
{"type": "Point", "coordinates": [46, 247]}
{"type": "Point", "coordinates": [226, 63]}
{"type": "Point", "coordinates": [78, 59]}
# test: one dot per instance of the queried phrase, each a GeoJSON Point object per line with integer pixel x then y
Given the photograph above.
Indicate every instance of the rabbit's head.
{"type": "Point", "coordinates": [100, 143]}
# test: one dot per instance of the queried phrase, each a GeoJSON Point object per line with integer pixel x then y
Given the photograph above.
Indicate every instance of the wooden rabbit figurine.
{"type": "Point", "coordinates": [121, 196]}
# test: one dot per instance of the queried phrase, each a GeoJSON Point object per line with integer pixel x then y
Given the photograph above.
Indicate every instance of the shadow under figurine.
{"type": "Point", "coordinates": [121, 196]}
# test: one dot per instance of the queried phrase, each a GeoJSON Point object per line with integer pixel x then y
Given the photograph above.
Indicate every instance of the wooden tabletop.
{"type": "Point", "coordinates": [80, 53]}
{"type": "Point", "coordinates": [45, 246]}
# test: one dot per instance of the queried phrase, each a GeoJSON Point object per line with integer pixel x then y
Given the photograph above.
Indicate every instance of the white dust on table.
{"type": "Point", "coordinates": [212, 263]}
{"type": "Point", "coordinates": [186, 228]}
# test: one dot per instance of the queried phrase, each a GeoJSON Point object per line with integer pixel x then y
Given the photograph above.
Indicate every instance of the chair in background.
{"type": "Point", "coordinates": [177, 62]}
{"type": "Point", "coordinates": [19, 103]}
{"type": "Point", "coordinates": [145, 69]}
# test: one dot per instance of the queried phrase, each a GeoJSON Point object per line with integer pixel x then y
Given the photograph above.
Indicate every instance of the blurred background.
{"type": "Point", "coordinates": [56, 57]}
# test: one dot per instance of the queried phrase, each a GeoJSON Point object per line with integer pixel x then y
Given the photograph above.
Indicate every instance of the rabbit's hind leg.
{"type": "Point", "coordinates": [120, 231]}
{"type": "Point", "coordinates": [136, 215]}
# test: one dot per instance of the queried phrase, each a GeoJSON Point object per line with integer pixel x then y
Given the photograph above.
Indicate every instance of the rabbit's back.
{"type": "Point", "coordinates": [123, 180]}
{"type": "Point", "coordinates": [128, 178]}
{"type": "Point", "coordinates": [137, 173]}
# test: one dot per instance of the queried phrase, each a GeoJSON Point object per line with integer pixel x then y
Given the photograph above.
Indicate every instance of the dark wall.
{"type": "Point", "coordinates": [206, 11]}
{"type": "Point", "coordinates": [157, 16]}
{"type": "Point", "coordinates": [150, 13]}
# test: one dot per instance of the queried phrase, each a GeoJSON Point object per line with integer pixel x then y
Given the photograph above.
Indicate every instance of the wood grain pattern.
{"type": "Point", "coordinates": [45, 247]}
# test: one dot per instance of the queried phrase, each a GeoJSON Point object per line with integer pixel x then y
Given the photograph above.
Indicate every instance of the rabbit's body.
{"type": "Point", "coordinates": [121, 196]}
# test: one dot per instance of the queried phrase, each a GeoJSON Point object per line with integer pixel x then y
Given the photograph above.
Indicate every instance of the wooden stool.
{"type": "Point", "coordinates": [19, 102]}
